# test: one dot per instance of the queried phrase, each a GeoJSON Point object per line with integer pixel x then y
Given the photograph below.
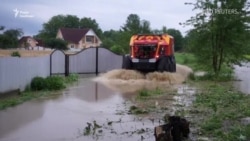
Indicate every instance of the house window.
{"type": "Point", "coordinates": [90, 39]}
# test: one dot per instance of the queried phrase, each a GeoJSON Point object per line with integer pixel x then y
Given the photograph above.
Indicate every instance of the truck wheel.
{"type": "Point", "coordinates": [126, 63]}
{"type": "Point", "coordinates": [163, 65]}
{"type": "Point", "coordinates": [172, 64]}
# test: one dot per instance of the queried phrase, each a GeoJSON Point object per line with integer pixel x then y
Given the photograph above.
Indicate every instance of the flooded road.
{"type": "Point", "coordinates": [92, 110]}
{"type": "Point", "coordinates": [64, 117]}
{"type": "Point", "coordinates": [242, 74]}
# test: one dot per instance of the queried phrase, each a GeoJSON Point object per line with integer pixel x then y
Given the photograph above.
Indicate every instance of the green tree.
{"type": "Point", "coordinates": [91, 23]}
{"type": "Point", "coordinates": [145, 27]}
{"type": "Point", "coordinates": [2, 27]}
{"type": "Point", "coordinates": [56, 44]}
{"type": "Point", "coordinates": [110, 38]}
{"type": "Point", "coordinates": [163, 30]}
{"type": "Point", "coordinates": [220, 33]}
{"type": "Point", "coordinates": [9, 38]}
{"type": "Point", "coordinates": [50, 28]}
{"type": "Point", "coordinates": [178, 38]}
{"type": "Point", "coordinates": [133, 24]}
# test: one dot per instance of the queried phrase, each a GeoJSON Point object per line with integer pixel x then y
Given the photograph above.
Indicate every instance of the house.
{"type": "Point", "coordinates": [79, 38]}
{"type": "Point", "coordinates": [29, 43]}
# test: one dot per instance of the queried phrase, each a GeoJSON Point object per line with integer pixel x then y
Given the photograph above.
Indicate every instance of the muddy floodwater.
{"type": "Point", "coordinates": [242, 74]}
{"type": "Point", "coordinates": [94, 109]}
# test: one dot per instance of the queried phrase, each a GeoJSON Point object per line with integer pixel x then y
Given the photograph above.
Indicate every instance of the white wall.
{"type": "Point", "coordinates": [17, 73]}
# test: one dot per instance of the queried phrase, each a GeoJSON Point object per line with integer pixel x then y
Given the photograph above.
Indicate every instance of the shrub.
{"type": "Point", "coordinates": [54, 83]}
{"type": "Point", "coordinates": [38, 83]}
{"type": "Point", "coordinates": [15, 54]}
{"type": "Point", "coordinates": [144, 93]}
{"type": "Point", "coordinates": [56, 44]}
{"type": "Point", "coordinates": [72, 78]}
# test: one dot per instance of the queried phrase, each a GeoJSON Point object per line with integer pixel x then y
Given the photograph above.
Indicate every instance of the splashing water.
{"type": "Point", "coordinates": [131, 80]}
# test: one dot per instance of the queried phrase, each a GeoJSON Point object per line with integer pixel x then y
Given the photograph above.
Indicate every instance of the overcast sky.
{"type": "Point", "coordinates": [109, 14]}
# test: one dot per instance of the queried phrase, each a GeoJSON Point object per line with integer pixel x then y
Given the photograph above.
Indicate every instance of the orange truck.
{"type": "Point", "coordinates": [150, 53]}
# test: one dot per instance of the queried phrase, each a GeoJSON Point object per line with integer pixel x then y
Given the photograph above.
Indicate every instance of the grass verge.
{"type": "Point", "coordinates": [222, 110]}
{"type": "Point", "coordinates": [187, 59]}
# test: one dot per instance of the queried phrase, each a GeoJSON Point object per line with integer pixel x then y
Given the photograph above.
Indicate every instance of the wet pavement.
{"type": "Point", "coordinates": [242, 74]}
{"type": "Point", "coordinates": [93, 111]}
{"type": "Point", "coordinates": [64, 117]}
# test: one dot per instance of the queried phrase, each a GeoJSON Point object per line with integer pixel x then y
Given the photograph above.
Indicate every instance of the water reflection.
{"type": "Point", "coordinates": [17, 117]}
{"type": "Point", "coordinates": [89, 91]}
{"type": "Point", "coordinates": [242, 73]}
{"type": "Point", "coordinates": [63, 117]}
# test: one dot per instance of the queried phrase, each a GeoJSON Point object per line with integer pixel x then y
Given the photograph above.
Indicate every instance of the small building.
{"type": "Point", "coordinates": [79, 38]}
{"type": "Point", "coordinates": [29, 43]}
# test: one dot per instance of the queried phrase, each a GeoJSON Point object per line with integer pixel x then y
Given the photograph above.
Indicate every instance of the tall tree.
{"type": "Point", "coordinates": [13, 33]}
{"type": "Point", "coordinates": [9, 38]}
{"type": "Point", "coordinates": [1, 27]}
{"type": "Point", "coordinates": [91, 23]}
{"type": "Point", "coordinates": [51, 27]}
{"type": "Point", "coordinates": [220, 33]}
{"type": "Point", "coordinates": [133, 24]}
{"type": "Point", "coordinates": [145, 27]}
{"type": "Point", "coordinates": [178, 38]}
{"type": "Point", "coordinates": [110, 38]}
{"type": "Point", "coordinates": [163, 30]}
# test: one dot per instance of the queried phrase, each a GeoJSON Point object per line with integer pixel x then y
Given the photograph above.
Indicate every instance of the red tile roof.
{"type": "Point", "coordinates": [73, 35]}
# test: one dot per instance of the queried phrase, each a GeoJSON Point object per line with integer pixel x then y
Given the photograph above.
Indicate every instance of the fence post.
{"type": "Point", "coordinates": [66, 65]}
{"type": "Point", "coordinates": [50, 64]}
{"type": "Point", "coordinates": [97, 62]}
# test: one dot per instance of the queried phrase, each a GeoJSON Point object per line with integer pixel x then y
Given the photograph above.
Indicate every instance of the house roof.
{"type": "Point", "coordinates": [39, 42]}
{"type": "Point", "coordinates": [73, 35]}
{"type": "Point", "coordinates": [24, 39]}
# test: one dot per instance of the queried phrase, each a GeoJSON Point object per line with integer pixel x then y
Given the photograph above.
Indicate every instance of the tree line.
{"type": "Point", "coordinates": [221, 33]}
{"type": "Point", "coordinates": [219, 36]}
{"type": "Point", "coordinates": [115, 40]}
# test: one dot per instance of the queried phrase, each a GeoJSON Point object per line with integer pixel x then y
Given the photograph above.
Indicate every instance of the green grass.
{"type": "Point", "coordinates": [144, 93]}
{"type": "Point", "coordinates": [18, 99]}
{"type": "Point", "coordinates": [28, 94]}
{"type": "Point", "coordinates": [187, 59]}
{"type": "Point", "coordinates": [222, 104]}
{"type": "Point", "coordinates": [247, 57]}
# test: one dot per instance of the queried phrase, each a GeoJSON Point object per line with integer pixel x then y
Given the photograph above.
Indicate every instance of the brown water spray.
{"type": "Point", "coordinates": [131, 81]}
